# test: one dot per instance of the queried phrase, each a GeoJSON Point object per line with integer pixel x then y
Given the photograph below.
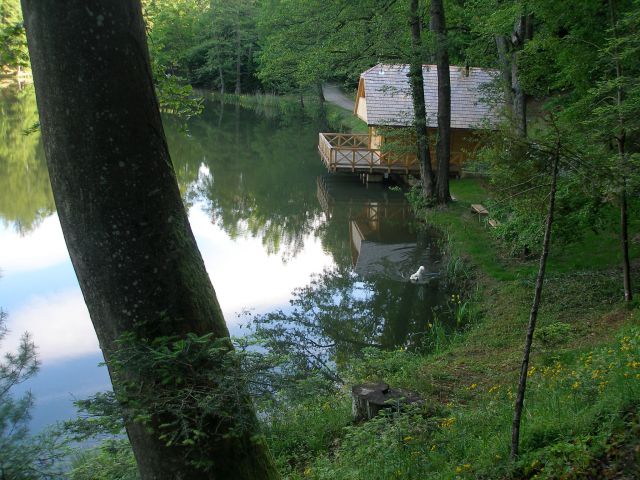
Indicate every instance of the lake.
{"type": "Point", "coordinates": [272, 225]}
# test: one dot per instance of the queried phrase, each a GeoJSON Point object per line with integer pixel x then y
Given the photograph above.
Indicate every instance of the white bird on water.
{"type": "Point", "coordinates": [418, 276]}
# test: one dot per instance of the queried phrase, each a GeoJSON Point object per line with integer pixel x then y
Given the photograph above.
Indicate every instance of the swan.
{"type": "Point", "coordinates": [418, 276]}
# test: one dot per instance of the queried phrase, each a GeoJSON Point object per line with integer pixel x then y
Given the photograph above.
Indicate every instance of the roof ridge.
{"type": "Point", "coordinates": [403, 65]}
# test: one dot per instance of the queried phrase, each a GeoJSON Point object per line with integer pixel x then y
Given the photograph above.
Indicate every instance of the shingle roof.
{"type": "Point", "coordinates": [388, 96]}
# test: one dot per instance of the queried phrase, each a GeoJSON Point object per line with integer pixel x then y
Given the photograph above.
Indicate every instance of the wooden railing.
{"type": "Point", "coordinates": [351, 152]}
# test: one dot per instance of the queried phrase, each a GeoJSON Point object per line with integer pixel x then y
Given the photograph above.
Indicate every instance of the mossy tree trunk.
{"type": "Point", "coordinates": [121, 212]}
{"type": "Point", "coordinates": [416, 80]}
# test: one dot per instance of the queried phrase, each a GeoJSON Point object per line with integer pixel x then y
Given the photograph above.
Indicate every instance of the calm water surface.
{"type": "Point", "coordinates": [267, 218]}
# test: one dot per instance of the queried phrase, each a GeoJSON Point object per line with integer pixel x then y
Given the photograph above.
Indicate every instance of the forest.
{"type": "Point", "coordinates": [525, 355]}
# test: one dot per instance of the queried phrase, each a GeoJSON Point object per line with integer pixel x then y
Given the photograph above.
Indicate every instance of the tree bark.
{"type": "Point", "coordinates": [416, 80]}
{"type": "Point", "coordinates": [533, 316]}
{"type": "Point", "coordinates": [443, 142]}
{"type": "Point", "coordinates": [502, 45]}
{"type": "Point", "coordinates": [121, 213]}
{"type": "Point", "coordinates": [522, 32]}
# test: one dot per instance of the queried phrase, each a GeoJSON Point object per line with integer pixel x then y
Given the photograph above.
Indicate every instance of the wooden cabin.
{"type": "Point", "coordinates": [385, 103]}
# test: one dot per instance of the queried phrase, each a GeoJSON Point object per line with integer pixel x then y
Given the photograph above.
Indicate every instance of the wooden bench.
{"type": "Point", "coordinates": [480, 210]}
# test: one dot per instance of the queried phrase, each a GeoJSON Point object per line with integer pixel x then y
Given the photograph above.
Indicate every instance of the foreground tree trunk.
{"type": "Point", "coordinates": [533, 316]}
{"type": "Point", "coordinates": [443, 143]}
{"type": "Point", "coordinates": [416, 80]}
{"type": "Point", "coordinates": [123, 219]}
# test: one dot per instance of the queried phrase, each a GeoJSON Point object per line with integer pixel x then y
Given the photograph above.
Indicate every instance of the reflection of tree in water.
{"type": "Point", "coordinates": [260, 178]}
{"type": "Point", "coordinates": [25, 193]}
{"type": "Point", "coordinates": [338, 314]}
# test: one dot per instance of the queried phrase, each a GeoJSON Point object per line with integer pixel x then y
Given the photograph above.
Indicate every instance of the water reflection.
{"type": "Point", "coordinates": [25, 193]}
{"type": "Point", "coordinates": [365, 299]}
{"type": "Point", "coordinates": [259, 178]}
{"type": "Point", "coordinates": [383, 239]}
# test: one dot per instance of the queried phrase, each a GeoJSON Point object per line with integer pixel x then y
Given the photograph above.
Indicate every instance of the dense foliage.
{"type": "Point", "coordinates": [13, 43]}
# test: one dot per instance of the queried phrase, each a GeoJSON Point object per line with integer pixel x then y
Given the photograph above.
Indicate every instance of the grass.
{"type": "Point", "coordinates": [473, 240]}
{"type": "Point", "coordinates": [583, 397]}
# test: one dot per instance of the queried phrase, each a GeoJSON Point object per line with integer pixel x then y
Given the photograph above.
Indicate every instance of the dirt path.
{"type": "Point", "coordinates": [333, 94]}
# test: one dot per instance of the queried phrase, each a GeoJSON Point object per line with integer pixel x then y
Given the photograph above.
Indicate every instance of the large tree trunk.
{"type": "Point", "coordinates": [416, 80]}
{"type": "Point", "coordinates": [121, 213]}
{"type": "Point", "coordinates": [533, 316]}
{"type": "Point", "coordinates": [443, 142]}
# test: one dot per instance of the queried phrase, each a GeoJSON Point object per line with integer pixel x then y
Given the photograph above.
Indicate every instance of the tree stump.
{"type": "Point", "coordinates": [369, 398]}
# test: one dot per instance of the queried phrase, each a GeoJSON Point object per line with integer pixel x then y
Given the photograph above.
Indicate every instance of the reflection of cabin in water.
{"type": "Point", "coordinates": [384, 102]}
{"type": "Point", "coordinates": [380, 238]}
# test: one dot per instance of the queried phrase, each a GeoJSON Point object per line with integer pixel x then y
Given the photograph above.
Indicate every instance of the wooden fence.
{"type": "Point", "coordinates": [343, 152]}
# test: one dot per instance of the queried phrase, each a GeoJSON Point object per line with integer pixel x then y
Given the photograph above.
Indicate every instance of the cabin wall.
{"type": "Point", "coordinates": [464, 145]}
{"type": "Point", "coordinates": [375, 139]}
{"type": "Point", "coordinates": [361, 110]}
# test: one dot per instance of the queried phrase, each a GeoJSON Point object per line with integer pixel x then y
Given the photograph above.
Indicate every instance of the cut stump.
{"type": "Point", "coordinates": [369, 398]}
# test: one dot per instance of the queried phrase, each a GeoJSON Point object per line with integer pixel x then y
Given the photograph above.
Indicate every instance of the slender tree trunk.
{"type": "Point", "coordinates": [621, 141]}
{"type": "Point", "coordinates": [321, 98]}
{"type": "Point", "coordinates": [221, 77]}
{"type": "Point", "coordinates": [238, 60]}
{"type": "Point", "coordinates": [533, 316]}
{"type": "Point", "coordinates": [624, 244]}
{"type": "Point", "coordinates": [121, 213]}
{"type": "Point", "coordinates": [443, 142]}
{"type": "Point", "coordinates": [416, 79]}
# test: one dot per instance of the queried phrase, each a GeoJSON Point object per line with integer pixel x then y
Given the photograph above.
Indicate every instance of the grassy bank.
{"type": "Point", "coordinates": [581, 415]}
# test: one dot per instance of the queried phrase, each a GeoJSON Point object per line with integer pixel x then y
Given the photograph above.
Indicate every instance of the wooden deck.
{"type": "Point", "coordinates": [342, 152]}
